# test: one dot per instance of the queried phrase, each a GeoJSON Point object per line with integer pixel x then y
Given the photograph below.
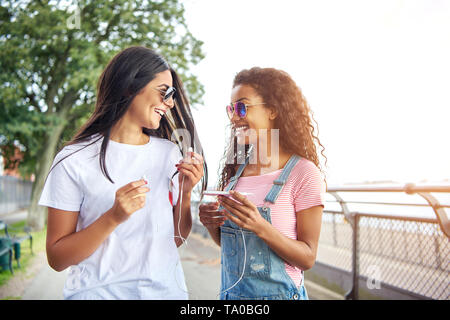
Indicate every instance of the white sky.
{"type": "Point", "coordinates": [375, 73]}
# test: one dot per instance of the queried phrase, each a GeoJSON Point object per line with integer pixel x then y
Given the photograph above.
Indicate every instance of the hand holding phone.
{"type": "Point", "coordinates": [209, 215]}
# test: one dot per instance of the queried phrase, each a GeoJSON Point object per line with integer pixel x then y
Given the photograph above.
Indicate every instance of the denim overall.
{"type": "Point", "coordinates": [265, 275]}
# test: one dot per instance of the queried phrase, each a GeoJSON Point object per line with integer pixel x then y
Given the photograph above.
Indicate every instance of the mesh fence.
{"type": "Point", "coordinates": [335, 243]}
{"type": "Point", "coordinates": [410, 254]}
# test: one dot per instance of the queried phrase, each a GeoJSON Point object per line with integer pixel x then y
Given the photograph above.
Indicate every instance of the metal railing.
{"type": "Point", "coordinates": [407, 252]}
{"type": "Point", "coordinates": [15, 194]}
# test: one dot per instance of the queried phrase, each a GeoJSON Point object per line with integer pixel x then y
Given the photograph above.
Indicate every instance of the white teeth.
{"type": "Point", "coordinates": [241, 128]}
{"type": "Point", "coordinates": [160, 112]}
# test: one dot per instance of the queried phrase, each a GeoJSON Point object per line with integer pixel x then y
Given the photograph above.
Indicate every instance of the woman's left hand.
{"type": "Point", "coordinates": [192, 170]}
{"type": "Point", "coordinates": [245, 215]}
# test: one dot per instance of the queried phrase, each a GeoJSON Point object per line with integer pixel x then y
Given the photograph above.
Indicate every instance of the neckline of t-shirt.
{"type": "Point", "coordinates": [130, 146]}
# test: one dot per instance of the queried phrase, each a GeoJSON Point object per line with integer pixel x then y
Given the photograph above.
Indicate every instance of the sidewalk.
{"type": "Point", "coordinates": [201, 264]}
{"type": "Point", "coordinates": [47, 285]}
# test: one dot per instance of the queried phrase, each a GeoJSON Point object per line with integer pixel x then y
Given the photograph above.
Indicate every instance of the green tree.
{"type": "Point", "coordinates": [51, 55]}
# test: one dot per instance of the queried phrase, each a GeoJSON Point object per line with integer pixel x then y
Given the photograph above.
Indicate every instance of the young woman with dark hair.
{"type": "Point", "coordinates": [112, 191]}
{"type": "Point", "coordinates": [269, 237]}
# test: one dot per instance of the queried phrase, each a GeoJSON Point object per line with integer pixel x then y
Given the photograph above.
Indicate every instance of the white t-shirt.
{"type": "Point", "coordinates": [139, 259]}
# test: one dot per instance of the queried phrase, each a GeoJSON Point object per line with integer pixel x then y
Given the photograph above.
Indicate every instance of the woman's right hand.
{"type": "Point", "coordinates": [129, 198]}
{"type": "Point", "coordinates": [210, 217]}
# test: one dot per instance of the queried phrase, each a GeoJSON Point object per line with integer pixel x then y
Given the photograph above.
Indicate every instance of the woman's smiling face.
{"type": "Point", "coordinates": [148, 106]}
{"type": "Point", "coordinates": [258, 116]}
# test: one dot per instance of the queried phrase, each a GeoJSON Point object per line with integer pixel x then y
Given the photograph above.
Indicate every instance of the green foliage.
{"type": "Point", "coordinates": [50, 64]}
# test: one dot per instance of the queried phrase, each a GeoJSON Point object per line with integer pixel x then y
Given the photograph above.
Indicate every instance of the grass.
{"type": "Point", "coordinates": [25, 257]}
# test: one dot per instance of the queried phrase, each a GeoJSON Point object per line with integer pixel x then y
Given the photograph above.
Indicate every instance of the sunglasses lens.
{"type": "Point", "coordinates": [230, 111]}
{"type": "Point", "coordinates": [169, 93]}
{"type": "Point", "coordinates": [241, 110]}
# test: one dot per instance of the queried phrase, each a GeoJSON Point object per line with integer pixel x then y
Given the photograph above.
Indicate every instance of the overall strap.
{"type": "Point", "coordinates": [235, 178]}
{"type": "Point", "coordinates": [278, 183]}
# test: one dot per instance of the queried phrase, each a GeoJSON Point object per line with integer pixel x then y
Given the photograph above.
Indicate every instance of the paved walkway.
{"type": "Point", "coordinates": [46, 285]}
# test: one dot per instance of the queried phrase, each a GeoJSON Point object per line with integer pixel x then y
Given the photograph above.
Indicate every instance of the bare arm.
{"type": "Point", "coordinates": [191, 171]}
{"type": "Point", "coordinates": [66, 247]}
{"type": "Point", "coordinates": [303, 251]}
{"type": "Point", "coordinates": [182, 227]}
{"type": "Point", "coordinates": [215, 235]}
{"type": "Point", "coordinates": [209, 218]}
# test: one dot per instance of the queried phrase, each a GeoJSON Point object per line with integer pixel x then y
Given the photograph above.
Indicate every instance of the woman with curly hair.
{"type": "Point", "coordinates": [269, 237]}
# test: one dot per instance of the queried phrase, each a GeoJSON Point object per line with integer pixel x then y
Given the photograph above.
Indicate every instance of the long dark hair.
{"type": "Point", "coordinates": [122, 80]}
{"type": "Point", "coordinates": [295, 119]}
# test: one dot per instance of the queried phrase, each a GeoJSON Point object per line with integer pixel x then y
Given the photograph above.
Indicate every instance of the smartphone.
{"type": "Point", "coordinates": [216, 193]}
{"type": "Point", "coordinates": [221, 193]}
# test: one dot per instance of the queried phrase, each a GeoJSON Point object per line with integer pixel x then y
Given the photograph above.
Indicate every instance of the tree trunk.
{"type": "Point", "coordinates": [37, 214]}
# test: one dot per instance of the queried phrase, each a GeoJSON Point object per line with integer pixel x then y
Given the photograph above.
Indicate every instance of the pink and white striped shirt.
{"type": "Point", "coordinates": [304, 189]}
